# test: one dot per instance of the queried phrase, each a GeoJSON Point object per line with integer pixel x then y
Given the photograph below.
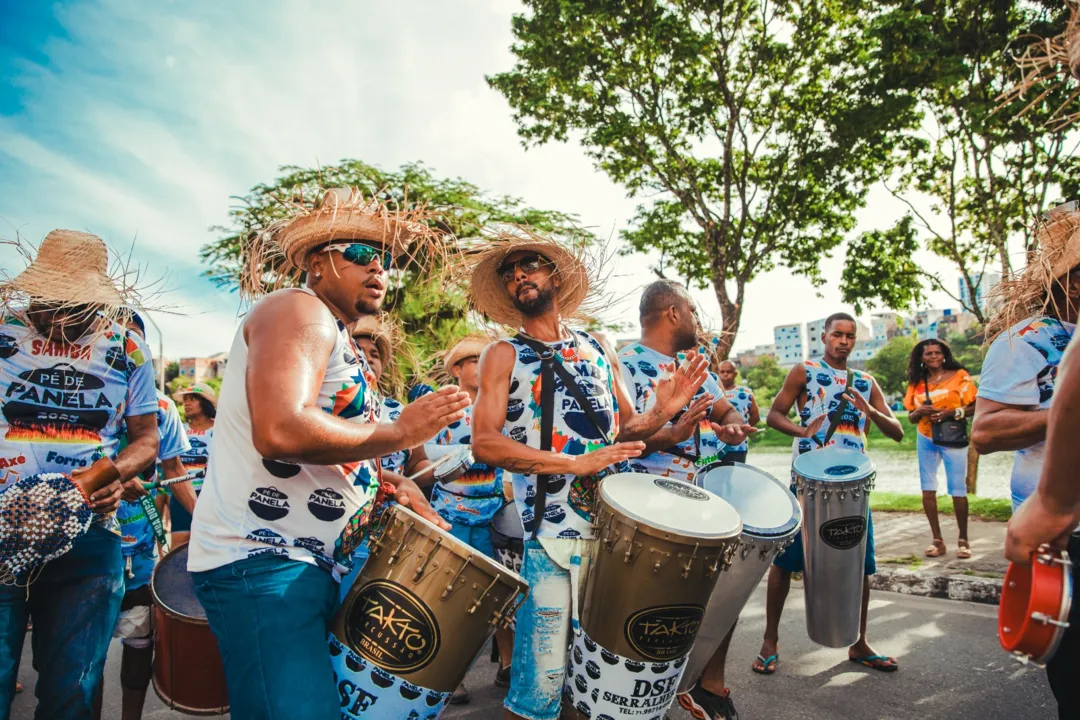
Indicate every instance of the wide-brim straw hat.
{"type": "Point", "coordinates": [344, 214]}
{"type": "Point", "coordinates": [488, 294]}
{"type": "Point", "coordinates": [201, 390]}
{"type": "Point", "coordinates": [374, 327]}
{"type": "Point", "coordinates": [470, 346]}
{"type": "Point", "coordinates": [70, 268]}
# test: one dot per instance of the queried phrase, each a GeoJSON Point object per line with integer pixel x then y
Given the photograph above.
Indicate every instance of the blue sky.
{"type": "Point", "coordinates": [138, 121]}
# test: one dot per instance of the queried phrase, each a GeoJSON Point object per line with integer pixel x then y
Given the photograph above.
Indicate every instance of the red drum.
{"type": "Point", "coordinates": [188, 675]}
{"type": "Point", "coordinates": [1035, 603]}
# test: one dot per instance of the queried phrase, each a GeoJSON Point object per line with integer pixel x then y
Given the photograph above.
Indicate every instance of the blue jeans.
{"type": "Point", "coordinates": [74, 603]}
{"type": "Point", "coordinates": [271, 616]}
{"type": "Point", "coordinates": [792, 559]}
{"type": "Point", "coordinates": [476, 536]}
{"type": "Point", "coordinates": [930, 459]}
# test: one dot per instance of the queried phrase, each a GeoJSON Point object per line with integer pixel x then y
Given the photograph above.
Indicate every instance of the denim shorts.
{"type": "Point", "coordinates": [792, 559]}
{"type": "Point", "coordinates": [476, 536]}
{"type": "Point", "coordinates": [930, 459]}
{"type": "Point", "coordinates": [542, 638]}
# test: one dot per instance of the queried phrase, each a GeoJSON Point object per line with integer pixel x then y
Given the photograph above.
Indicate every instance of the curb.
{"type": "Point", "coordinates": [938, 585]}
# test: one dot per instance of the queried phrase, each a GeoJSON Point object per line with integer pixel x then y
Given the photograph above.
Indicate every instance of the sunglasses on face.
{"type": "Point", "coordinates": [528, 264]}
{"type": "Point", "coordinates": [361, 254]}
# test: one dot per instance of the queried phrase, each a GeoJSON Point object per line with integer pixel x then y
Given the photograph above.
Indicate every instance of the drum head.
{"type": "Point", "coordinates": [833, 464]}
{"type": "Point", "coordinates": [508, 521]}
{"type": "Point", "coordinates": [766, 506]}
{"type": "Point", "coordinates": [173, 587]}
{"type": "Point", "coordinates": [671, 505]}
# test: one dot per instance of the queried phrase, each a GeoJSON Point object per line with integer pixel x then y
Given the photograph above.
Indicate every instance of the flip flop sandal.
{"type": "Point", "coordinates": [877, 662]}
{"type": "Point", "coordinates": [936, 549]}
{"type": "Point", "coordinates": [963, 552]}
{"type": "Point", "coordinates": [772, 660]}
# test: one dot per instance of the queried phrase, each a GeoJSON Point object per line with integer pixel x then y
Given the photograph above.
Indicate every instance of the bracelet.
{"type": "Point", "coordinates": [959, 414]}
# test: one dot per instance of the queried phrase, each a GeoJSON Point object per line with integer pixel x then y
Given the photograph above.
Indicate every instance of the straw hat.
{"type": "Point", "coordinates": [371, 326]}
{"type": "Point", "coordinates": [488, 294]}
{"type": "Point", "coordinates": [200, 389]}
{"type": "Point", "coordinates": [468, 347]}
{"type": "Point", "coordinates": [71, 267]}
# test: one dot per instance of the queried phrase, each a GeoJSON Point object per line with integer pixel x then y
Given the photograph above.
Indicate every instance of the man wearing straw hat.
{"type": "Point", "coordinates": [294, 474]}
{"type": "Point", "coordinates": [71, 379]}
{"type": "Point", "coordinates": [1017, 388]}
{"type": "Point", "coordinates": [533, 284]}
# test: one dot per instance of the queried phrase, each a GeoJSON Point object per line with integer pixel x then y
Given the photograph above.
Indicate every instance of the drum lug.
{"type": "Point", "coordinates": [422, 568]}
{"type": "Point", "coordinates": [610, 536]}
{"type": "Point", "coordinates": [1047, 620]}
{"type": "Point", "coordinates": [504, 616]}
{"type": "Point", "coordinates": [630, 556]}
{"type": "Point", "coordinates": [689, 561]}
{"type": "Point", "coordinates": [855, 492]}
{"type": "Point", "coordinates": [746, 549]}
{"type": "Point", "coordinates": [765, 550]}
{"type": "Point", "coordinates": [664, 557]}
{"type": "Point", "coordinates": [840, 494]}
{"type": "Point", "coordinates": [401, 550]}
{"type": "Point", "coordinates": [449, 589]}
{"type": "Point", "coordinates": [1025, 659]}
{"type": "Point", "coordinates": [476, 601]}
{"type": "Point", "coordinates": [825, 493]}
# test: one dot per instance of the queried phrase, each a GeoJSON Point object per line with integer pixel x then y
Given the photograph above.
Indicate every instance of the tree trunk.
{"type": "Point", "coordinates": [730, 316]}
{"type": "Point", "coordinates": [972, 478]}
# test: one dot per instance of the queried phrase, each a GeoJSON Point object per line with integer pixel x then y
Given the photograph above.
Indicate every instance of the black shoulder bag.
{"type": "Point", "coordinates": [582, 489]}
{"type": "Point", "coordinates": [947, 433]}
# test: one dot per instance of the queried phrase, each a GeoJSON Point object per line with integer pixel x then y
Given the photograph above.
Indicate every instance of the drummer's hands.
{"type": "Point", "coordinates": [593, 462]}
{"type": "Point", "coordinates": [409, 495]}
{"type": "Point", "coordinates": [815, 425]}
{"type": "Point", "coordinates": [676, 391]}
{"type": "Point", "coordinates": [684, 428]}
{"type": "Point", "coordinates": [1034, 524]}
{"type": "Point", "coordinates": [859, 402]}
{"type": "Point", "coordinates": [423, 418]}
{"type": "Point", "coordinates": [133, 490]}
{"type": "Point", "coordinates": [105, 500]}
{"type": "Point", "coordinates": [734, 433]}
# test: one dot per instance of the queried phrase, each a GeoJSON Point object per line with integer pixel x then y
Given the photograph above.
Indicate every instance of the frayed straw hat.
{"type": "Point", "coordinates": [1048, 64]}
{"type": "Point", "coordinates": [1028, 292]}
{"type": "Point", "coordinates": [488, 294]}
{"type": "Point", "coordinates": [470, 346]}
{"type": "Point", "coordinates": [201, 390]}
{"type": "Point", "coordinates": [71, 268]}
{"type": "Point", "coordinates": [372, 326]}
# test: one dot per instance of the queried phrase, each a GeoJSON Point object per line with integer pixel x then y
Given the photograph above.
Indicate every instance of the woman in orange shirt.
{"type": "Point", "coordinates": [939, 388]}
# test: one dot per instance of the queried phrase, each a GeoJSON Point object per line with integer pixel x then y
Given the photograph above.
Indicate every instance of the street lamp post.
{"type": "Point", "coordinates": [161, 351]}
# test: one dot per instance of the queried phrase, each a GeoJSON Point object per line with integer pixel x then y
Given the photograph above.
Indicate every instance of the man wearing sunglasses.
{"type": "Point", "coordinates": [295, 470]}
{"type": "Point", "coordinates": [531, 285]}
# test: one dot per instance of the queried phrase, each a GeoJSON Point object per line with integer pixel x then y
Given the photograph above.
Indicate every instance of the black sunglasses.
{"type": "Point", "coordinates": [528, 264]}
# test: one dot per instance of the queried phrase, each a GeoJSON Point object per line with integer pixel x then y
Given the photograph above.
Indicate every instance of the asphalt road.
{"type": "Point", "coordinates": [952, 668]}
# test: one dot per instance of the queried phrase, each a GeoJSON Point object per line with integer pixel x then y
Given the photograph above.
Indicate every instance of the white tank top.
{"type": "Point", "coordinates": [250, 506]}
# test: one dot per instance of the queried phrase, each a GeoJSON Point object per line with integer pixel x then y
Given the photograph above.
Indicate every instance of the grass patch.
{"type": "Point", "coordinates": [998, 509]}
{"type": "Point", "coordinates": [979, 573]}
{"type": "Point", "coordinates": [912, 561]}
{"type": "Point", "coordinates": [875, 440]}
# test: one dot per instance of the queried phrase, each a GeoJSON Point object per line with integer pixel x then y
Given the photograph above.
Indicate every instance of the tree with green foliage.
{"type": "Point", "coordinates": [172, 371]}
{"type": "Point", "coordinates": [755, 128]}
{"type": "Point", "coordinates": [432, 316]}
{"type": "Point", "coordinates": [968, 348]}
{"type": "Point", "coordinates": [177, 384]}
{"type": "Point", "coordinates": [889, 365]}
{"type": "Point", "coordinates": [766, 378]}
{"type": "Point", "coordinates": [987, 170]}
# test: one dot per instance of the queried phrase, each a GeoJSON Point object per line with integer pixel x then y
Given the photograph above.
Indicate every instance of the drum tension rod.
{"type": "Point", "coordinates": [663, 558]}
{"type": "Point", "coordinates": [610, 537]}
{"type": "Point", "coordinates": [1047, 620]}
{"type": "Point", "coordinates": [450, 586]}
{"type": "Point", "coordinates": [476, 602]}
{"type": "Point", "coordinates": [628, 556]}
{"type": "Point", "coordinates": [689, 562]}
{"type": "Point", "coordinates": [423, 565]}
{"type": "Point", "coordinates": [392, 560]}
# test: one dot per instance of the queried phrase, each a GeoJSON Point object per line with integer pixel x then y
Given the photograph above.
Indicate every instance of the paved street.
{"type": "Point", "coordinates": [951, 668]}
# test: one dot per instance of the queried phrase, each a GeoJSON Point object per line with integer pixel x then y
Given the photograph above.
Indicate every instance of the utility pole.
{"type": "Point", "coordinates": [161, 351]}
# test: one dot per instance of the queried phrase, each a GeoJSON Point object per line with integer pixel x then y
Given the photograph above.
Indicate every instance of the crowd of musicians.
{"type": "Point", "coordinates": [301, 450]}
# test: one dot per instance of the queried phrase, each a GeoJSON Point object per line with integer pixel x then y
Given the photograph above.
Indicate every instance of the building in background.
{"type": "Point", "coordinates": [751, 358]}
{"type": "Point", "coordinates": [788, 342]}
{"type": "Point", "coordinates": [864, 341]}
{"type": "Point", "coordinates": [198, 369]}
{"type": "Point", "coordinates": [984, 283]}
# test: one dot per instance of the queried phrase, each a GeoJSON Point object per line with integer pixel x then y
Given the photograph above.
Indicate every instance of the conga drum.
{"type": "Point", "coordinates": [1035, 603]}
{"type": "Point", "coordinates": [416, 618]}
{"type": "Point", "coordinates": [662, 544]}
{"type": "Point", "coordinates": [188, 675]}
{"type": "Point", "coordinates": [771, 518]}
{"type": "Point", "coordinates": [833, 486]}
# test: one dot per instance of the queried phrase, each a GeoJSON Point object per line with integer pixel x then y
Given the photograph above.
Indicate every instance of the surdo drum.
{"type": "Point", "coordinates": [833, 486]}
{"type": "Point", "coordinates": [771, 518]}
{"type": "Point", "coordinates": [188, 674]}
{"type": "Point", "coordinates": [662, 544]}
{"type": "Point", "coordinates": [1035, 603]}
{"type": "Point", "coordinates": [416, 618]}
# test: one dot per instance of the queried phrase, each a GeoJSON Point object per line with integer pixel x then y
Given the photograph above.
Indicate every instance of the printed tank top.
{"type": "Point", "coordinates": [251, 505]}
{"type": "Point", "coordinates": [824, 385]}
{"type": "Point", "coordinates": [568, 505]}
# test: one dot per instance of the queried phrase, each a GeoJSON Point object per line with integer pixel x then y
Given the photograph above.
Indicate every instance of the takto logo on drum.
{"type": "Point", "coordinates": [680, 488]}
{"type": "Point", "coordinates": [843, 533]}
{"type": "Point", "coordinates": [838, 470]}
{"type": "Point", "coordinates": [392, 627]}
{"type": "Point", "coordinates": [664, 632]}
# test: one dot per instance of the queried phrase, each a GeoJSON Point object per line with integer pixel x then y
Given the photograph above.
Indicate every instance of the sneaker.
{"type": "Point", "coordinates": [703, 705]}
{"type": "Point", "coordinates": [502, 677]}
{"type": "Point", "coordinates": [796, 579]}
{"type": "Point", "coordinates": [460, 696]}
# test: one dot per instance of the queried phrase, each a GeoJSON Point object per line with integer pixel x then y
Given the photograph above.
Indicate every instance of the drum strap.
{"type": "Point", "coordinates": [838, 412]}
{"type": "Point", "coordinates": [550, 365]}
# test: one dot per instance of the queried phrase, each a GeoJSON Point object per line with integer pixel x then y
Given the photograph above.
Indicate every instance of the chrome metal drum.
{"type": "Point", "coordinates": [833, 487]}
{"type": "Point", "coordinates": [771, 518]}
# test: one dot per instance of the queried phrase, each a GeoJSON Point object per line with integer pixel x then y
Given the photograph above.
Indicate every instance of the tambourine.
{"type": "Point", "coordinates": [1035, 604]}
{"type": "Point", "coordinates": [450, 464]}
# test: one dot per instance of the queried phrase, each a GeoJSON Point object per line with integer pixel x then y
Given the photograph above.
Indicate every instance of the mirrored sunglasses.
{"type": "Point", "coordinates": [361, 254]}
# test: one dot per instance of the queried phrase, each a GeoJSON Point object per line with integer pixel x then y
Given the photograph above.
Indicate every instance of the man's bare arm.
{"type": "Point", "coordinates": [999, 427]}
{"type": "Point", "coordinates": [183, 492]}
{"type": "Point", "coordinates": [778, 418]}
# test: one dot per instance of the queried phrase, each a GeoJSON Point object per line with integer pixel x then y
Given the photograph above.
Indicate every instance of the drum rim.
{"type": "Point", "coordinates": [1062, 614]}
{"type": "Point", "coordinates": [872, 467]}
{"type": "Point", "coordinates": [645, 523]}
{"type": "Point", "coordinates": [479, 558]}
{"type": "Point", "coordinates": [779, 532]}
{"type": "Point", "coordinates": [161, 604]}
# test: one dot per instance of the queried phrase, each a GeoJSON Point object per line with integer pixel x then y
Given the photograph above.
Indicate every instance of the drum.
{"type": "Point", "coordinates": [1035, 603]}
{"type": "Point", "coordinates": [508, 537]}
{"type": "Point", "coordinates": [416, 618]}
{"type": "Point", "coordinates": [833, 486]}
{"type": "Point", "coordinates": [662, 544]}
{"type": "Point", "coordinates": [771, 518]}
{"type": "Point", "coordinates": [188, 675]}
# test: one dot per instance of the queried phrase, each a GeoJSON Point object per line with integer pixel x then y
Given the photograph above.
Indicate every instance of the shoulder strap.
{"type": "Point", "coordinates": [839, 410]}
{"type": "Point", "coordinates": [547, 420]}
{"type": "Point", "coordinates": [926, 387]}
